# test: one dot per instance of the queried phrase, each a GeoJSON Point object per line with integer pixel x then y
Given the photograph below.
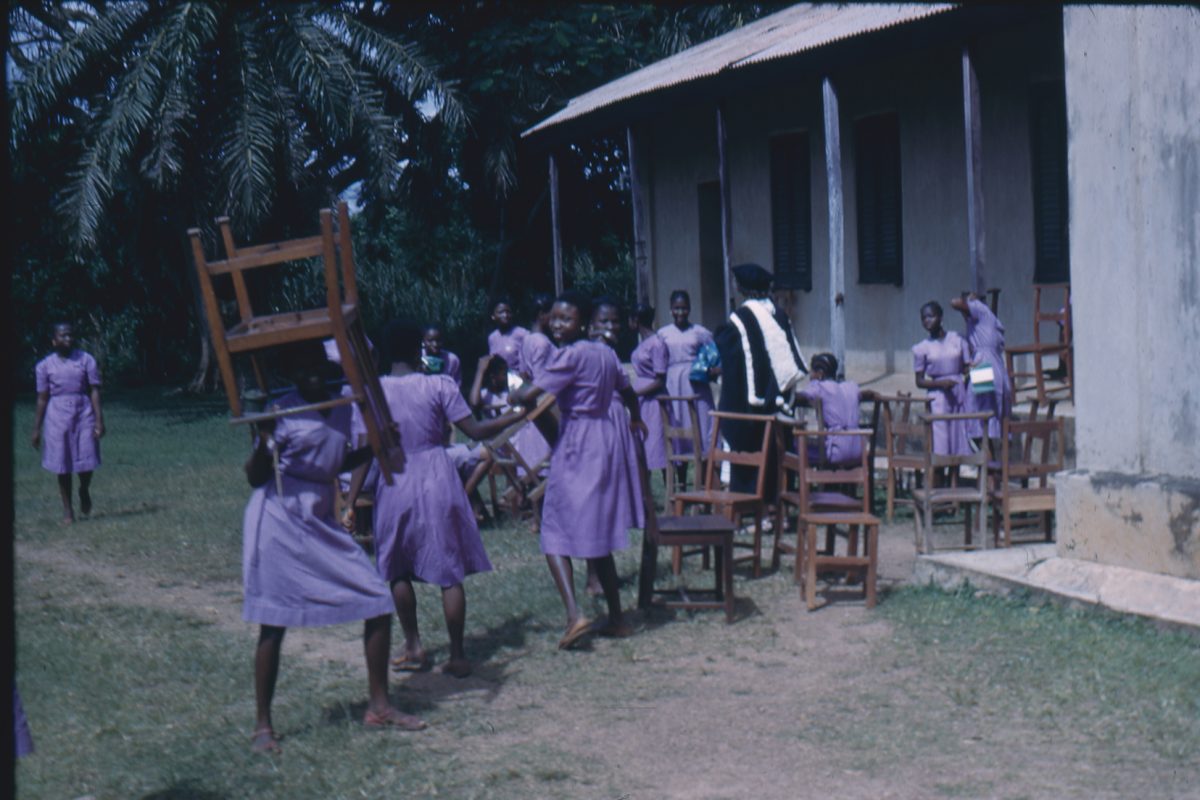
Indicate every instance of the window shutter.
{"type": "Point", "coordinates": [791, 210]}
{"type": "Point", "coordinates": [877, 185]}
{"type": "Point", "coordinates": [1048, 145]}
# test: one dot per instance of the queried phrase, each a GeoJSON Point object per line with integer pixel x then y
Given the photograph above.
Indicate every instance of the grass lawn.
{"type": "Point", "coordinates": [135, 670]}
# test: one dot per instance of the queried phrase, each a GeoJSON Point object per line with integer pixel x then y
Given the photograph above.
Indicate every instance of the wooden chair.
{"type": "Point", "coordinates": [337, 319]}
{"type": "Point", "coordinates": [931, 496]}
{"type": "Point", "coordinates": [813, 515]}
{"type": "Point", "coordinates": [527, 479]}
{"type": "Point", "coordinates": [902, 432]}
{"type": "Point", "coordinates": [733, 505]}
{"type": "Point", "coordinates": [1031, 451]}
{"type": "Point", "coordinates": [1060, 315]}
{"type": "Point", "coordinates": [676, 435]}
{"type": "Point", "coordinates": [694, 530]}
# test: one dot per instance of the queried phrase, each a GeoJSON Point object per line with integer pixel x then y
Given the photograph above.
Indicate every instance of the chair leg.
{"type": "Point", "coordinates": [891, 494]}
{"type": "Point", "coordinates": [779, 518]}
{"type": "Point", "coordinates": [927, 511]}
{"type": "Point", "coordinates": [967, 526]}
{"type": "Point", "coordinates": [725, 565]}
{"type": "Point", "coordinates": [758, 518]}
{"type": "Point", "coordinates": [872, 545]}
{"type": "Point", "coordinates": [647, 571]}
{"type": "Point", "coordinates": [810, 567]}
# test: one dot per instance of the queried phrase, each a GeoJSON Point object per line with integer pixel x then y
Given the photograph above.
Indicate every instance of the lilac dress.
{"type": "Point", "coordinates": [424, 527]}
{"type": "Point", "coordinates": [650, 359]}
{"type": "Point", "coordinates": [945, 358]}
{"type": "Point", "coordinates": [453, 367]}
{"type": "Point", "coordinates": [69, 442]}
{"type": "Point", "coordinates": [682, 347]}
{"type": "Point", "coordinates": [508, 345]}
{"type": "Point", "coordinates": [21, 735]}
{"type": "Point", "coordinates": [299, 567]}
{"type": "Point", "coordinates": [985, 334]}
{"type": "Point", "coordinates": [839, 412]}
{"type": "Point", "coordinates": [592, 498]}
{"type": "Point", "coordinates": [534, 352]}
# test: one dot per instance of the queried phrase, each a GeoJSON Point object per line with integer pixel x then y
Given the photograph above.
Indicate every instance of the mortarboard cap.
{"type": "Point", "coordinates": [752, 277]}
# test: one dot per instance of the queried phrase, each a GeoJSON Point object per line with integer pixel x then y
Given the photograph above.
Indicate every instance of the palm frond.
{"type": "Point", "coordinates": [43, 83]}
{"type": "Point", "coordinates": [400, 64]}
{"type": "Point", "coordinates": [378, 131]}
{"type": "Point", "coordinates": [319, 71]}
{"type": "Point", "coordinates": [245, 150]}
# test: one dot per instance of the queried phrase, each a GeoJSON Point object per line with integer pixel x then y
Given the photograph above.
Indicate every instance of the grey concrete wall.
{"type": "Point", "coordinates": [925, 88]}
{"type": "Point", "coordinates": [1133, 104]}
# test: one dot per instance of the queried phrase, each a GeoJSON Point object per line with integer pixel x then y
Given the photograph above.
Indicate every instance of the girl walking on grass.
{"type": "Point", "coordinates": [68, 422]}
{"type": "Point", "coordinates": [425, 529]}
{"type": "Point", "coordinates": [588, 506]}
{"type": "Point", "coordinates": [298, 566]}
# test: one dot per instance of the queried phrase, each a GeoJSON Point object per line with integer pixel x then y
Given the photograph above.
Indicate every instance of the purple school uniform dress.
{"type": "Point", "coordinates": [299, 567]}
{"type": "Point", "coordinates": [69, 442]}
{"type": "Point", "coordinates": [650, 359]}
{"type": "Point", "coordinates": [534, 352]}
{"type": "Point", "coordinates": [985, 335]}
{"type": "Point", "coordinates": [945, 358]}
{"type": "Point", "coordinates": [682, 347]}
{"type": "Point", "coordinates": [592, 498]}
{"type": "Point", "coordinates": [839, 412]}
{"type": "Point", "coordinates": [424, 527]}
{"type": "Point", "coordinates": [453, 367]}
{"type": "Point", "coordinates": [23, 739]}
{"type": "Point", "coordinates": [508, 345]}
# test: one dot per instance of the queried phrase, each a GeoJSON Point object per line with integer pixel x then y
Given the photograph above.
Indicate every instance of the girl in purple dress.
{"type": "Point", "coordinates": [537, 346]}
{"type": "Point", "coordinates": [839, 409]}
{"type": "Point", "coordinates": [940, 363]}
{"type": "Point", "coordinates": [684, 341]}
{"type": "Point", "coordinates": [431, 347]}
{"type": "Point", "coordinates": [425, 529]}
{"type": "Point", "coordinates": [506, 340]}
{"type": "Point", "coordinates": [650, 361]}
{"type": "Point", "coordinates": [589, 503]}
{"type": "Point", "coordinates": [298, 565]}
{"type": "Point", "coordinates": [985, 335]}
{"type": "Point", "coordinates": [68, 422]}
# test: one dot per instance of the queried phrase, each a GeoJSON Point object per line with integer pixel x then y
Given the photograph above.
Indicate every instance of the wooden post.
{"type": "Point", "coordinates": [726, 216]}
{"type": "Point", "coordinates": [643, 272]}
{"type": "Point", "coordinates": [975, 230]}
{"type": "Point", "coordinates": [837, 251]}
{"type": "Point", "coordinates": [555, 227]}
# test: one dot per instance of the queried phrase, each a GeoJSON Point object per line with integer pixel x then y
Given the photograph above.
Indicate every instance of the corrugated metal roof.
{"type": "Point", "coordinates": [785, 33]}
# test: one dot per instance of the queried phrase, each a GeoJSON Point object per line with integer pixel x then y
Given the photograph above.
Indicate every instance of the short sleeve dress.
{"type": "Point", "coordinates": [985, 335]}
{"type": "Point", "coordinates": [650, 359]}
{"type": "Point", "coordinates": [508, 345]}
{"type": "Point", "coordinates": [682, 347]}
{"type": "Point", "coordinates": [69, 443]}
{"type": "Point", "coordinates": [534, 352]}
{"type": "Point", "coordinates": [839, 412]}
{"type": "Point", "coordinates": [299, 567]}
{"type": "Point", "coordinates": [424, 527]}
{"type": "Point", "coordinates": [592, 497]}
{"type": "Point", "coordinates": [945, 358]}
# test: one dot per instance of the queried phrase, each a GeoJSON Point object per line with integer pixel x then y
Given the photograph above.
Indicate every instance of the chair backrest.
{"type": "Point", "coordinates": [816, 474]}
{"type": "Point", "coordinates": [507, 456]}
{"type": "Point", "coordinates": [689, 434]}
{"type": "Point", "coordinates": [1021, 460]}
{"type": "Point", "coordinates": [1058, 312]}
{"type": "Point", "coordinates": [651, 512]}
{"type": "Point", "coordinates": [978, 458]}
{"type": "Point", "coordinates": [756, 458]}
{"type": "Point", "coordinates": [902, 430]}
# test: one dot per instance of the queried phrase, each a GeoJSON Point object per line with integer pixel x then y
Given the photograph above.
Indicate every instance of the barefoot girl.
{"type": "Point", "coordinates": [588, 506]}
{"type": "Point", "coordinates": [298, 566]}
{"type": "Point", "coordinates": [650, 359]}
{"type": "Point", "coordinates": [940, 363]}
{"type": "Point", "coordinates": [425, 529]}
{"type": "Point", "coordinates": [506, 340]}
{"type": "Point", "coordinates": [68, 422]}
{"type": "Point", "coordinates": [684, 341]}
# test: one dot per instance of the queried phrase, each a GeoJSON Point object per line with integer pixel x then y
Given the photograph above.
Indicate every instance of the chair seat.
{"type": "Point", "coordinates": [700, 523]}
{"type": "Point", "coordinates": [949, 494]}
{"type": "Point", "coordinates": [291, 326]}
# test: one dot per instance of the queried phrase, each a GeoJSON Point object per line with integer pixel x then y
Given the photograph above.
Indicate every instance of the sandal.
{"type": "Point", "coordinates": [393, 720]}
{"type": "Point", "coordinates": [407, 663]}
{"type": "Point", "coordinates": [580, 628]}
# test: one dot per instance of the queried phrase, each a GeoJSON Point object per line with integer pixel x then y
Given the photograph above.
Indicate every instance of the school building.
{"type": "Point", "coordinates": [875, 157]}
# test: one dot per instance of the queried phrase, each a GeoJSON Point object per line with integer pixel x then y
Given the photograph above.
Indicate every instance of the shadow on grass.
{"type": "Point", "coordinates": [133, 511]}
{"type": "Point", "coordinates": [184, 791]}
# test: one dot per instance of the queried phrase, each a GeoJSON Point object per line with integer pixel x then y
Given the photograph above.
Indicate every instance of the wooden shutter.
{"type": "Point", "coordinates": [877, 186]}
{"type": "Point", "coordinates": [1048, 145]}
{"type": "Point", "coordinates": [791, 210]}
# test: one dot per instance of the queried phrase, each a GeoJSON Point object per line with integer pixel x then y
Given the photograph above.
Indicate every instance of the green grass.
{"type": "Point", "coordinates": [932, 694]}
